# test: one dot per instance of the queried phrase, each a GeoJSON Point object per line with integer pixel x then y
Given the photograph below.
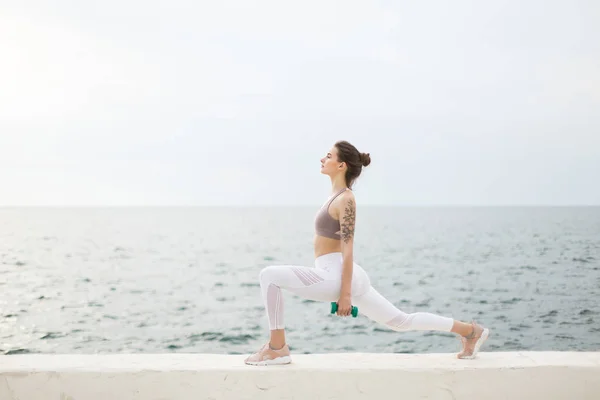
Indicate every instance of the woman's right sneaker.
{"type": "Point", "coordinates": [473, 342]}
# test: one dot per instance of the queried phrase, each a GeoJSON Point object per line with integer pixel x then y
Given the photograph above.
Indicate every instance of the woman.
{"type": "Point", "coordinates": [336, 277]}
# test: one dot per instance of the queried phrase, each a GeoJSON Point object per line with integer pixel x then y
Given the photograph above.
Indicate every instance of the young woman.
{"type": "Point", "coordinates": [336, 277]}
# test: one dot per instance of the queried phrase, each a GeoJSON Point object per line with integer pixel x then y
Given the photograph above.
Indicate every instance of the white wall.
{"type": "Point", "coordinates": [502, 376]}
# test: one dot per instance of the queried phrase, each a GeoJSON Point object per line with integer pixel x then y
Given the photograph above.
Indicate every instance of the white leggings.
{"type": "Point", "coordinates": [323, 283]}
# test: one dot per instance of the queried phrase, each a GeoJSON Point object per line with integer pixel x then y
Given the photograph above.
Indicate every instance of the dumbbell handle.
{"type": "Point", "coordinates": [334, 308]}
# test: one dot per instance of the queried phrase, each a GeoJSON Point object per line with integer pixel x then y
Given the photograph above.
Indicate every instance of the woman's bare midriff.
{"type": "Point", "coordinates": [325, 245]}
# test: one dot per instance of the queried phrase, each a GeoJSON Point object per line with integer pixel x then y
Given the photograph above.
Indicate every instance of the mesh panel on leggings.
{"type": "Point", "coordinates": [399, 321]}
{"type": "Point", "coordinates": [307, 277]}
{"type": "Point", "coordinates": [274, 300]}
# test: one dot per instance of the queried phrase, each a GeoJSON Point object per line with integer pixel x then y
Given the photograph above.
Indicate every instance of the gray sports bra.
{"type": "Point", "coordinates": [325, 225]}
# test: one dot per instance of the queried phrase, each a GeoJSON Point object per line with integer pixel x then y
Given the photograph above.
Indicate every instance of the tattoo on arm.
{"type": "Point", "coordinates": [349, 221]}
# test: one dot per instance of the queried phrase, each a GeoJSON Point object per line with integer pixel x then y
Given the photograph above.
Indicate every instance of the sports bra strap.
{"type": "Point", "coordinates": [336, 195]}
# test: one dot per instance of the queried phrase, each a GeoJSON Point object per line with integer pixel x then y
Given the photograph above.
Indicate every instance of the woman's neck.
{"type": "Point", "coordinates": [338, 183]}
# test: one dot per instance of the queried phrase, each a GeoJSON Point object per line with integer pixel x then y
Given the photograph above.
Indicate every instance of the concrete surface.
{"type": "Point", "coordinates": [502, 376]}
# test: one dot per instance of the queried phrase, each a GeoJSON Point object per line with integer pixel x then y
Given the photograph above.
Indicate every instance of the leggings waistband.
{"type": "Point", "coordinates": [326, 261]}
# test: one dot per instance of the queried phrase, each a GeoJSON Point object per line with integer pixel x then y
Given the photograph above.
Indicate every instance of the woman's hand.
{"type": "Point", "coordinates": [344, 306]}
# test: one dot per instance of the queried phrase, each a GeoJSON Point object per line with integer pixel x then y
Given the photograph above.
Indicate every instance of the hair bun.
{"type": "Point", "coordinates": [365, 159]}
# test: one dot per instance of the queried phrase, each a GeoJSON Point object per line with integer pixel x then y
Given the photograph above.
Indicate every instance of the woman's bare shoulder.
{"type": "Point", "coordinates": [344, 201]}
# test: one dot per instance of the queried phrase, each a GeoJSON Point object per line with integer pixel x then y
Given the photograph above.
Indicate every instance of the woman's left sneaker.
{"type": "Point", "coordinates": [267, 356]}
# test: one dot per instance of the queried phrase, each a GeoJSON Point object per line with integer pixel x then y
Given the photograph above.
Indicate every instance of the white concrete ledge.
{"type": "Point", "coordinates": [502, 376]}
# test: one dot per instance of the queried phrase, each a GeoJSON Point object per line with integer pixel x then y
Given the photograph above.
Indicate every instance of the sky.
{"type": "Point", "coordinates": [188, 102]}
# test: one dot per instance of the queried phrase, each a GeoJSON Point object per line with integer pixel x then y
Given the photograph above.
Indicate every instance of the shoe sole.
{"type": "Point", "coordinates": [277, 361]}
{"type": "Point", "coordinates": [484, 335]}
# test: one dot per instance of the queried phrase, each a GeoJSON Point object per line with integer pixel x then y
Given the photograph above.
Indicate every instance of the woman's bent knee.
{"type": "Point", "coordinates": [265, 273]}
{"type": "Point", "coordinates": [271, 273]}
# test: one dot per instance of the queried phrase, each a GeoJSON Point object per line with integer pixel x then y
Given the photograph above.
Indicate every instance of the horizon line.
{"type": "Point", "coordinates": [288, 205]}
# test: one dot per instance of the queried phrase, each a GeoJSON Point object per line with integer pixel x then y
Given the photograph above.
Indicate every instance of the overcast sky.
{"type": "Point", "coordinates": [130, 102]}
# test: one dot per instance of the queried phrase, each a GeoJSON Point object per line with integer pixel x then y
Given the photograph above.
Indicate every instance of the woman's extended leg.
{"type": "Point", "coordinates": [376, 307]}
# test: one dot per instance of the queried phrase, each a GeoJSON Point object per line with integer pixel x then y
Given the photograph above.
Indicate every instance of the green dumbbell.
{"type": "Point", "coordinates": [334, 308]}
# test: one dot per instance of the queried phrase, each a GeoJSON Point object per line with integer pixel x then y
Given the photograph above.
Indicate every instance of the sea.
{"type": "Point", "coordinates": [90, 280]}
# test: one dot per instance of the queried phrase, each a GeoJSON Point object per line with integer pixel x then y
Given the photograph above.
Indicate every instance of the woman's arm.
{"type": "Point", "coordinates": [347, 223]}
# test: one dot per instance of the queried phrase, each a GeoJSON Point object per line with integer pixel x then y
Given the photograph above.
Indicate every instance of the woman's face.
{"type": "Point", "coordinates": [330, 164]}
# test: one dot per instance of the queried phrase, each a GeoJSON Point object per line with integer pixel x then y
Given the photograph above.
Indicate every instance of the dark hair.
{"type": "Point", "coordinates": [354, 160]}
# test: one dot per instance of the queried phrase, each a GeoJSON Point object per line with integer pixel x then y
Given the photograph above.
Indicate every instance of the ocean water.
{"type": "Point", "coordinates": [161, 280]}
